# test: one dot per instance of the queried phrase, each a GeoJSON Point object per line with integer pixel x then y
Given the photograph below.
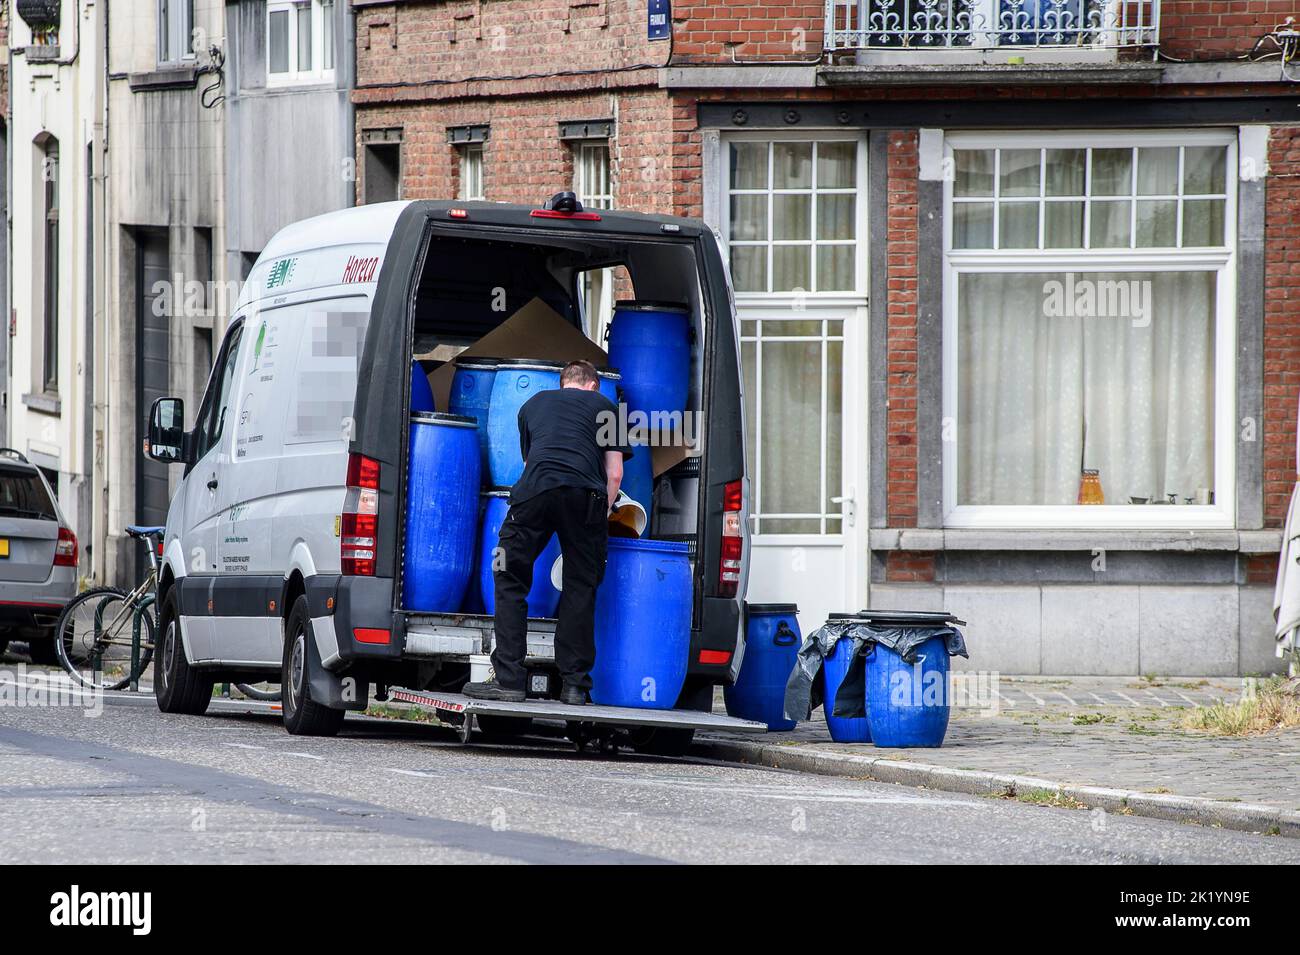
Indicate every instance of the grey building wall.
{"type": "Point", "coordinates": [289, 150]}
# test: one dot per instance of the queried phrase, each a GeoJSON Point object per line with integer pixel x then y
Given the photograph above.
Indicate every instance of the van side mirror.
{"type": "Point", "coordinates": [167, 431]}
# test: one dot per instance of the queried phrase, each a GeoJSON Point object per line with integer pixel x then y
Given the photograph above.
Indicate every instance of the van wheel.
{"type": "Point", "coordinates": [662, 742]}
{"type": "Point", "coordinates": [178, 687]}
{"type": "Point", "coordinates": [40, 647]}
{"type": "Point", "coordinates": [302, 715]}
{"type": "Point", "coordinates": [504, 725]}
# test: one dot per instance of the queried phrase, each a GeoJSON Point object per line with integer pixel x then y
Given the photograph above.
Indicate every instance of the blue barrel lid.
{"type": "Point", "coordinates": [613, 374]}
{"type": "Point", "coordinates": [441, 417]}
{"type": "Point", "coordinates": [636, 543]}
{"type": "Point", "coordinates": [645, 305]}
{"type": "Point", "coordinates": [772, 608]}
{"type": "Point", "coordinates": [496, 492]}
{"type": "Point", "coordinates": [541, 364]}
{"type": "Point", "coordinates": [478, 364]}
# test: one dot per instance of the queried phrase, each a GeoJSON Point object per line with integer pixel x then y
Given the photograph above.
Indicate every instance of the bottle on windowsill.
{"type": "Point", "coordinates": [1090, 491]}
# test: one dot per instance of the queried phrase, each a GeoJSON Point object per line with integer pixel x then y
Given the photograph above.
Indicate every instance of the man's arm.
{"type": "Point", "coordinates": [523, 435]}
{"type": "Point", "coordinates": [613, 473]}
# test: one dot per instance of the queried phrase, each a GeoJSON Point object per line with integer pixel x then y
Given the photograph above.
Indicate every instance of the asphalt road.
{"type": "Point", "coordinates": [134, 785]}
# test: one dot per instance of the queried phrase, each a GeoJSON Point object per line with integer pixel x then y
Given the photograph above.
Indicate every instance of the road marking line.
{"type": "Point", "coordinates": [1066, 698]}
{"type": "Point", "coordinates": [1034, 698]}
{"type": "Point", "coordinates": [410, 772]}
{"type": "Point", "coordinates": [1099, 699]}
{"type": "Point", "coordinates": [244, 746]}
{"type": "Point", "coordinates": [1156, 698]}
{"type": "Point", "coordinates": [303, 755]}
{"type": "Point", "coordinates": [1129, 698]}
{"type": "Point", "coordinates": [1187, 698]}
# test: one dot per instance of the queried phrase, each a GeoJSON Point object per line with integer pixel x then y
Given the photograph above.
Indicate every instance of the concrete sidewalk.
{"type": "Point", "coordinates": [1112, 742]}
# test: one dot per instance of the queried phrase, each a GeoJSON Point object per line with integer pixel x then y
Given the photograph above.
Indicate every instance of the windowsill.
{"type": "Point", "coordinates": [168, 76]}
{"type": "Point", "coordinates": [322, 81]}
{"type": "Point", "coordinates": [1076, 539]}
{"type": "Point", "coordinates": [47, 402]}
{"type": "Point", "coordinates": [40, 54]}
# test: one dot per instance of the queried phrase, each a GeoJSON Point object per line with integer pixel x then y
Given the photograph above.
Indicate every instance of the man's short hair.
{"type": "Point", "coordinates": [579, 372]}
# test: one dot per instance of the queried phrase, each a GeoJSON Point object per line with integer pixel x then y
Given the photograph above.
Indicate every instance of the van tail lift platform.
{"type": "Point", "coordinates": [603, 725]}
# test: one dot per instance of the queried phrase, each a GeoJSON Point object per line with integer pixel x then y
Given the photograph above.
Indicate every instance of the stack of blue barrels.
{"type": "Point", "coordinates": [458, 499]}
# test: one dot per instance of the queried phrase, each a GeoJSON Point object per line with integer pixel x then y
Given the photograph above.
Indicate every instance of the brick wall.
{"type": "Point", "coordinates": [1217, 30]}
{"type": "Point", "coordinates": [524, 159]}
{"type": "Point", "coordinates": [708, 30]}
{"type": "Point", "coordinates": [449, 44]}
{"type": "Point", "coordinates": [1281, 321]}
{"type": "Point", "coordinates": [900, 317]}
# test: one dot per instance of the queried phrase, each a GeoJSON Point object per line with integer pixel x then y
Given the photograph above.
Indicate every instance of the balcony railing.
{"type": "Point", "coordinates": [991, 24]}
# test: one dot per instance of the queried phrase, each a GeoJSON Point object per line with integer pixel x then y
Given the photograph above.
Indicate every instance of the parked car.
{"type": "Point", "coordinates": [283, 549]}
{"type": "Point", "coordinates": [38, 558]}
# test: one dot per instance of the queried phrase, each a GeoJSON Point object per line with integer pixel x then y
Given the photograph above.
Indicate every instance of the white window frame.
{"type": "Point", "coordinates": [1223, 261]}
{"type": "Point", "coordinates": [294, 76]}
{"type": "Point", "coordinates": [847, 306]}
{"type": "Point", "coordinates": [799, 299]}
{"type": "Point", "coordinates": [471, 155]}
{"type": "Point", "coordinates": [596, 287]}
{"type": "Point", "coordinates": [175, 30]}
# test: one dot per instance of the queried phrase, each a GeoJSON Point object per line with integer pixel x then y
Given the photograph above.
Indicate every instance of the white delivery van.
{"type": "Point", "coordinates": [283, 549]}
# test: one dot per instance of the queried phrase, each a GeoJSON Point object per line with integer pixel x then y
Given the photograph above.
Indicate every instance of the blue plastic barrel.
{"type": "Point", "coordinates": [638, 479]}
{"type": "Point", "coordinates": [651, 345]}
{"type": "Point", "coordinates": [610, 383]}
{"type": "Point", "coordinates": [441, 512]}
{"type": "Point", "coordinates": [907, 704]}
{"type": "Point", "coordinates": [844, 729]}
{"type": "Point", "coordinates": [771, 649]}
{"type": "Point", "coordinates": [543, 598]}
{"type": "Point", "coordinates": [514, 383]}
{"type": "Point", "coordinates": [643, 624]}
{"type": "Point", "coordinates": [421, 393]}
{"type": "Point", "coordinates": [471, 396]}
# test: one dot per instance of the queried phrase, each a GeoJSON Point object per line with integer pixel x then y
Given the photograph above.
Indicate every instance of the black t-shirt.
{"type": "Point", "coordinates": [563, 435]}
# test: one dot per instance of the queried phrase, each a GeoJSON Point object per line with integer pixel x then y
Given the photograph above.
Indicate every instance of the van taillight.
{"type": "Point", "coordinates": [733, 543]}
{"type": "Point", "coordinates": [65, 549]}
{"type": "Point", "coordinates": [359, 523]}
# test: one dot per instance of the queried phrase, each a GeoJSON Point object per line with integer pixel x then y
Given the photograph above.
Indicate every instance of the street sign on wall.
{"type": "Point", "coordinates": [658, 24]}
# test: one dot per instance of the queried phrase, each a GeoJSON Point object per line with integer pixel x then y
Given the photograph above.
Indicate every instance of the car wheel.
{"type": "Point", "coordinates": [303, 716]}
{"type": "Point", "coordinates": [178, 687]}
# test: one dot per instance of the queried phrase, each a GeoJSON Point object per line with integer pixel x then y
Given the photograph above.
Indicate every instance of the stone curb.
{"type": "Point", "coordinates": [1247, 817]}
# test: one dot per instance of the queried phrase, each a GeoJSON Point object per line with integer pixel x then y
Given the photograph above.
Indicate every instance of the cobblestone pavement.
{"type": "Point", "coordinates": [1117, 732]}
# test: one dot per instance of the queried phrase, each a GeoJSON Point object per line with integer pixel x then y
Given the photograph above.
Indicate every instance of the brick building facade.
{"type": "Point", "coordinates": [900, 198]}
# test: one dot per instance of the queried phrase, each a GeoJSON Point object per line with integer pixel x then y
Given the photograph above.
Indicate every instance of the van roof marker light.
{"type": "Point", "coordinates": [552, 214]}
{"type": "Point", "coordinates": [458, 213]}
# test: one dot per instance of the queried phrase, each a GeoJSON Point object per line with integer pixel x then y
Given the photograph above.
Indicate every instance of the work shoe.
{"type": "Point", "coordinates": [490, 689]}
{"type": "Point", "coordinates": [573, 695]}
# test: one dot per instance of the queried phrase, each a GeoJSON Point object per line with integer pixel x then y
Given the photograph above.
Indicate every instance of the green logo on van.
{"type": "Point", "coordinates": [280, 273]}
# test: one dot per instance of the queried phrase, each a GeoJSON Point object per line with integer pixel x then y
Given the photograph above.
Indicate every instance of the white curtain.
{"type": "Point", "coordinates": [1044, 394]}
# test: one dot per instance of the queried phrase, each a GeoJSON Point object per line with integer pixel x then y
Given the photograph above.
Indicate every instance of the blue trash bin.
{"type": "Point", "coordinates": [907, 704]}
{"type": "Point", "coordinates": [772, 642]}
{"type": "Point", "coordinates": [844, 729]}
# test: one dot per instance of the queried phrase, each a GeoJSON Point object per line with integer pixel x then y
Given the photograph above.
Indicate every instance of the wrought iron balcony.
{"type": "Point", "coordinates": [956, 25]}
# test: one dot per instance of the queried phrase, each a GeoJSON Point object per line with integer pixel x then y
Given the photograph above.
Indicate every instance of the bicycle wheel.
{"type": "Point", "coordinates": [253, 693]}
{"type": "Point", "coordinates": [93, 639]}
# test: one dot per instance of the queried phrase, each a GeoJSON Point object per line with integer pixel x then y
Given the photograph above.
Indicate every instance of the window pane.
{"type": "Point", "coordinates": [1111, 224]}
{"type": "Point", "coordinates": [792, 216]}
{"type": "Point", "coordinates": [791, 427]}
{"type": "Point", "coordinates": [835, 217]}
{"type": "Point", "coordinates": [974, 172]}
{"type": "Point", "coordinates": [749, 217]}
{"type": "Point", "coordinates": [1204, 170]}
{"type": "Point", "coordinates": [834, 420]}
{"type": "Point", "coordinates": [1158, 171]}
{"type": "Point", "coordinates": [1019, 172]}
{"type": "Point", "coordinates": [1063, 228]}
{"type": "Point", "coordinates": [1157, 222]}
{"type": "Point", "coordinates": [749, 268]}
{"type": "Point", "coordinates": [789, 525]}
{"type": "Point", "coordinates": [303, 11]}
{"type": "Point", "coordinates": [972, 225]}
{"type": "Point", "coordinates": [1065, 171]}
{"type": "Point", "coordinates": [748, 351]}
{"type": "Point", "coordinates": [749, 165]}
{"type": "Point", "coordinates": [278, 41]}
{"type": "Point", "coordinates": [834, 268]}
{"type": "Point", "coordinates": [1203, 222]}
{"type": "Point", "coordinates": [327, 34]}
{"type": "Point", "coordinates": [1058, 372]}
{"type": "Point", "coordinates": [1112, 172]}
{"type": "Point", "coordinates": [1018, 225]}
{"type": "Point", "coordinates": [792, 165]}
{"type": "Point", "coordinates": [836, 165]}
{"type": "Point", "coordinates": [791, 267]}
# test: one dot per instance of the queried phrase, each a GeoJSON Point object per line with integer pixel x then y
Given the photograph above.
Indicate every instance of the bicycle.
{"type": "Point", "coordinates": [104, 638]}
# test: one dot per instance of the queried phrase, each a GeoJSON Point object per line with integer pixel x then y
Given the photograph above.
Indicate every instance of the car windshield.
{"type": "Point", "coordinates": [23, 494]}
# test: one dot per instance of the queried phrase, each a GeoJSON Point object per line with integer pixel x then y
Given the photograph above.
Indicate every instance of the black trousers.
{"type": "Point", "coordinates": [579, 517]}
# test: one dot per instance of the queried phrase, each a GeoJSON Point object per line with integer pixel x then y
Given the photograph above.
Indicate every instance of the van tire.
{"type": "Point", "coordinates": [40, 647]}
{"type": "Point", "coordinates": [657, 741]}
{"type": "Point", "coordinates": [178, 687]}
{"type": "Point", "coordinates": [302, 715]}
